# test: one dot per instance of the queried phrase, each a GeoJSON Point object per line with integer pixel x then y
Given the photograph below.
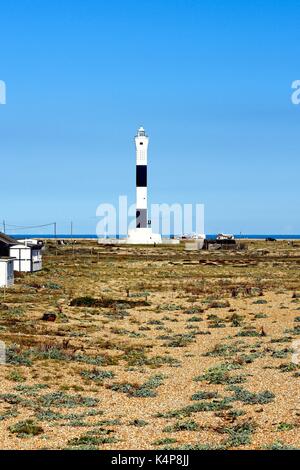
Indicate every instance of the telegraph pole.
{"type": "Point", "coordinates": [55, 233]}
{"type": "Point", "coordinates": [72, 239]}
{"type": "Point", "coordinates": [4, 226]}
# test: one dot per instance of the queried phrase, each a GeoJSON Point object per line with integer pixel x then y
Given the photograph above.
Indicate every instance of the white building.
{"type": "Point", "coordinates": [6, 272]}
{"type": "Point", "coordinates": [27, 257]}
{"type": "Point", "coordinates": [225, 236]}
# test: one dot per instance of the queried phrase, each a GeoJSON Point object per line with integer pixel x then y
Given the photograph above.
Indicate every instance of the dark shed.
{"type": "Point", "coordinates": [5, 243]}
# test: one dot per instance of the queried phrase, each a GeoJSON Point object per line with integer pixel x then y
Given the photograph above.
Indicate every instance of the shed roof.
{"type": "Point", "coordinates": [6, 239]}
{"type": "Point", "coordinates": [23, 246]}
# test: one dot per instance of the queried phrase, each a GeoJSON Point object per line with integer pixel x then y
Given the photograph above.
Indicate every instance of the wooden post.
{"type": "Point", "coordinates": [55, 234]}
{"type": "Point", "coordinates": [72, 239]}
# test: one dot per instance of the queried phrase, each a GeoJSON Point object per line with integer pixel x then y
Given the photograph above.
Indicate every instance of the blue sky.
{"type": "Point", "coordinates": [209, 80]}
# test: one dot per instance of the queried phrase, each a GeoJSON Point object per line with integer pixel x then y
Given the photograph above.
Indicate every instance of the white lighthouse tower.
{"type": "Point", "coordinates": [142, 234]}
{"type": "Point", "coordinates": [141, 145]}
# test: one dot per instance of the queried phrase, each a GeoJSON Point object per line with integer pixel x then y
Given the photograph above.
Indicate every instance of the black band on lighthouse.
{"type": "Point", "coordinates": [141, 218]}
{"type": "Point", "coordinates": [141, 176]}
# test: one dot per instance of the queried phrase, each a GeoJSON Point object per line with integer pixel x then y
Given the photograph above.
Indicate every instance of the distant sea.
{"type": "Point", "coordinates": [210, 236]}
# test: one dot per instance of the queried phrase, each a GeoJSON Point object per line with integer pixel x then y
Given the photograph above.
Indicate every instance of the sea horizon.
{"type": "Point", "coordinates": [208, 236]}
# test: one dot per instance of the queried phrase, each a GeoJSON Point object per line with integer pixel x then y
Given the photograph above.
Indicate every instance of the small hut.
{"type": "Point", "coordinates": [6, 271]}
{"type": "Point", "coordinates": [27, 256]}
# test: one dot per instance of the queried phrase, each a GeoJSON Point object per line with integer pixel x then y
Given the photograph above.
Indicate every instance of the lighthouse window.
{"type": "Point", "coordinates": [141, 143]}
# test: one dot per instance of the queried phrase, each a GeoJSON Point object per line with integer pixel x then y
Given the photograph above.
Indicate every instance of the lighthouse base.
{"type": "Point", "coordinates": [143, 236]}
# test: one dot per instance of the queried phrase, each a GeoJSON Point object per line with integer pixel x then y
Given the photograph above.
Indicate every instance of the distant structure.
{"type": "Point", "coordinates": [222, 242]}
{"type": "Point", "coordinates": [142, 234]}
{"type": "Point", "coordinates": [225, 236]}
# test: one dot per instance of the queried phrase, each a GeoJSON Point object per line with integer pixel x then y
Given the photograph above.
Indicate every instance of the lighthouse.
{"type": "Point", "coordinates": [141, 146]}
{"type": "Point", "coordinates": [142, 234]}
